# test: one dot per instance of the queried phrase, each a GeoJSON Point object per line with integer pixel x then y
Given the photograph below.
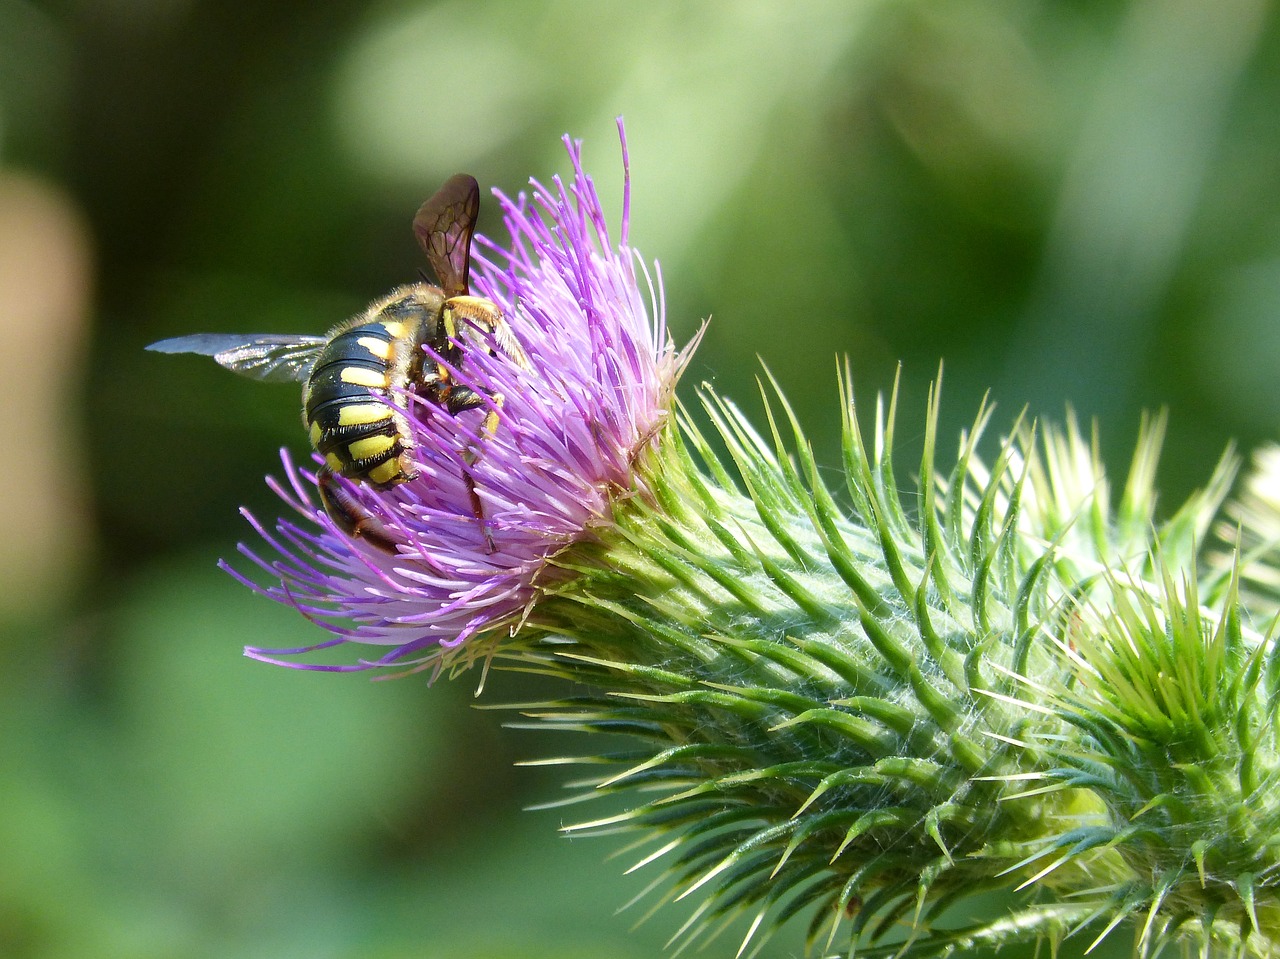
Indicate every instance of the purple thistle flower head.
{"type": "Point", "coordinates": [478, 528]}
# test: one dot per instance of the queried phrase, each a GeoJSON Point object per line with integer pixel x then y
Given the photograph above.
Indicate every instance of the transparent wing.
{"type": "Point", "coordinates": [272, 358]}
{"type": "Point", "coordinates": [444, 226]}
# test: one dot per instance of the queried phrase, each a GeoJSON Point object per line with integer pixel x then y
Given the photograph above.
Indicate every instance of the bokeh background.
{"type": "Point", "coordinates": [1066, 202]}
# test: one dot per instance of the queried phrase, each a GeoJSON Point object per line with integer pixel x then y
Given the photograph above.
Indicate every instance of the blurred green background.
{"type": "Point", "coordinates": [1070, 202]}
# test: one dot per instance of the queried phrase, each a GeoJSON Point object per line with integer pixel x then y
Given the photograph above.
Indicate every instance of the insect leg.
{"type": "Point", "coordinates": [464, 398]}
{"type": "Point", "coordinates": [461, 398]}
{"type": "Point", "coordinates": [477, 313]}
{"type": "Point", "coordinates": [349, 516]}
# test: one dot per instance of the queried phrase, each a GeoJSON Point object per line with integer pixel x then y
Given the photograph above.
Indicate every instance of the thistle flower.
{"type": "Point", "coordinates": [844, 703]}
{"type": "Point", "coordinates": [489, 511]}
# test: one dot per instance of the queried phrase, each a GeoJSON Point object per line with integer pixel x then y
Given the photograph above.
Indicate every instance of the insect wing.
{"type": "Point", "coordinates": [271, 358]}
{"type": "Point", "coordinates": [444, 227]}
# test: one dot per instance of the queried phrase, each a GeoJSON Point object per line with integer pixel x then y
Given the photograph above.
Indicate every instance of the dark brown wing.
{"type": "Point", "coordinates": [444, 226]}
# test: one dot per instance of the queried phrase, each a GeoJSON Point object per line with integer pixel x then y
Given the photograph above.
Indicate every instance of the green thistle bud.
{"type": "Point", "coordinates": [871, 715]}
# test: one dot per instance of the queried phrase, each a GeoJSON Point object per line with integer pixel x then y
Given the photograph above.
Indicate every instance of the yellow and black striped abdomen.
{"type": "Point", "coordinates": [346, 402]}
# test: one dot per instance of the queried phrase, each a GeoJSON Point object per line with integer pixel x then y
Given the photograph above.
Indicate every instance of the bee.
{"type": "Point", "coordinates": [359, 378]}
